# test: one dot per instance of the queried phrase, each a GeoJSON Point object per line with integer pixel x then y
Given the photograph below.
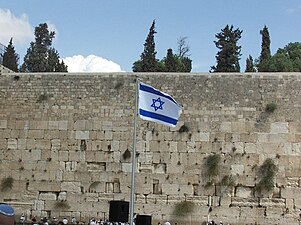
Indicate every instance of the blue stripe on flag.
{"type": "Point", "coordinates": [166, 119]}
{"type": "Point", "coordinates": [156, 92]}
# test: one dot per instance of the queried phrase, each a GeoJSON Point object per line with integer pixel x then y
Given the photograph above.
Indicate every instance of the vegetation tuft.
{"type": "Point", "coordinates": [61, 205]}
{"type": "Point", "coordinates": [7, 184]}
{"type": "Point", "coordinates": [42, 97]}
{"type": "Point", "coordinates": [184, 129]}
{"type": "Point", "coordinates": [228, 181]}
{"type": "Point", "coordinates": [212, 165]}
{"type": "Point", "coordinates": [271, 107]}
{"type": "Point", "coordinates": [118, 85]}
{"type": "Point", "coordinates": [184, 208]}
{"type": "Point", "coordinates": [267, 173]}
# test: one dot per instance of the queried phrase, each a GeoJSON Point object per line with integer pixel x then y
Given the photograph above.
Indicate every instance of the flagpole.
{"type": "Point", "coordinates": [134, 156]}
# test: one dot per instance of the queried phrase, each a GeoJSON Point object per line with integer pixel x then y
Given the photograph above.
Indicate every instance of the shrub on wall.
{"type": "Point", "coordinates": [267, 173]}
{"type": "Point", "coordinates": [184, 129]}
{"type": "Point", "coordinates": [7, 184]}
{"type": "Point", "coordinates": [184, 208]}
{"type": "Point", "coordinates": [212, 165]}
{"type": "Point", "coordinates": [228, 180]}
{"type": "Point", "coordinates": [270, 107]}
{"type": "Point", "coordinates": [61, 205]}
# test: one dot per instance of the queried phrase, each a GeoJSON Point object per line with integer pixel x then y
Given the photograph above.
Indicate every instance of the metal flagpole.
{"type": "Point", "coordinates": [134, 156]}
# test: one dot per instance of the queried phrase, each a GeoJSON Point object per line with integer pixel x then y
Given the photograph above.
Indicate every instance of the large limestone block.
{"type": "Point", "coordinates": [175, 168]}
{"type": "Point", "coordinates": [251, 148]}
{"type": "Point", "coordinates": [113, 167]}
{"type": "Point", "coordinates": [43, 144]}
{"type": "Point", "coordinates": [44, 186]}
{"type": "Point", "coordinates": [35, 134]}
{"type": "Point", "coordinates": [185, 190]}
{"type": "Point", "coordinates": [91, 197]}
{"type": "Point", "coordinates": [248, 215]}
{"type": "Point", "coordinates": [3, 124]}
{"type": "Point", "coordinates": [74, 156]}
{"type": "Point", "coordinates": [69, 176]}
{"type": "Point", "coordinates": [170, 189]}
{"type": "Point", "coordinates": [127, 167]}
{"type": "Point", "coordinates": [290, 193]}
{"type": "Point", "coordinates": [53, 125]}
{"type": "Point", "coordinates": [81, 135]}
{"type": "Point", "coordinates": [156, 157]}
{"type": "Point", "coordinates": [163, 146]}
{"type": "Point", "coordinates": [200, 136]}
{"type": "Point", "coordinates": [51, 134]}
{"type": "Point", "coordinates": [31, 155]}
{"type": "Point", "coordinates": [272, 202]}
{"type": "Point", "coordinates": [80, 125]}
{"type": "Point", "coordinates": [238, 127]}
{"type": "Point", "coordinates": [244, 202]}
{"type": "Point", "coordinates": [70, 186]}
{"type": "Point", "coordinates": [63, 156]}
{"type": "Point", "coordinates": [237, 169]}
{"type": "Point", "coordinates": [226, 127]}
{"type": "Point", "coordinates": [39, 205]}
{"type": "Point", "coordinates": [12, 144]}
{"type": "Point", "coordinates": [145, 157]}
{"type": "Point", "coordinates": [279, 127]}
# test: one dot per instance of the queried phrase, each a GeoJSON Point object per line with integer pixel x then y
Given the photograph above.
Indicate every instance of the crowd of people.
{"type": "Point", "coordinates": [64, 221]}
{"type": "Point", "coordinates": [7, 217]}
{"type": "Point", "coordinates": [47, 221]}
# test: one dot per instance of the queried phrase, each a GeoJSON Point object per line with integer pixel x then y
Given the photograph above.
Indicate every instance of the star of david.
{"type": "Point", "coordinates": [157, 104]}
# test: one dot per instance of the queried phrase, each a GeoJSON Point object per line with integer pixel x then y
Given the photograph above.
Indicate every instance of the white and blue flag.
{"type": "Point", "coordinates": [156, 106]}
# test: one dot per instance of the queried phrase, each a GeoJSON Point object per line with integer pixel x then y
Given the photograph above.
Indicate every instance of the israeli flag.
{"type": "Point", "coordinates": [156, 106]}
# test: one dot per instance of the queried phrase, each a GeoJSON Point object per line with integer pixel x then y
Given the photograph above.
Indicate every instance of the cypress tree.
{"type": "Point", "coordinates": [40, 56]}
{"type": "Point", "coordinates": [229, 54]}
{"type": "Point", "coordinates": [10, 57]}
{"type": "Point", "coordinates": [250, 65]}
{"type": "Point", "coordinates": [170, 62]}
{"type": "Point", "coordinates": [148, 61]}
{"type": "Point", "coordinates": [265, 54]}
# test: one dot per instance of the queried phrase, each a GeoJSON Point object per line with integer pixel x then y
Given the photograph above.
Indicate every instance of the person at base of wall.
{"type": "Point", "coordinates": [7, 214]}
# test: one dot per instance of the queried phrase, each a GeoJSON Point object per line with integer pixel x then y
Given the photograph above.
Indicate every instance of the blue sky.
{"type": "Point", "coordinates": [113, 32]}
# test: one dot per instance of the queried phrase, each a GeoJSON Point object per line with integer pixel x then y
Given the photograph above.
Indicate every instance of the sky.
{"type": "Point", "coordinates": [108, 36]}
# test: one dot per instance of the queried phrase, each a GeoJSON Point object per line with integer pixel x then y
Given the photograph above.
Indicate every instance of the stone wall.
{"type": "Point", "coordinates": [66, 140]}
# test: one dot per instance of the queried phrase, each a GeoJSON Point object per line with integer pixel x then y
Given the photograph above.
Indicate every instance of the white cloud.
{"type": "Point", "coordinates": [91, 63]}
{"type": "Point", "coordinates": [293, 10]}
{"type": "Point", "coordinates": [14, 27]}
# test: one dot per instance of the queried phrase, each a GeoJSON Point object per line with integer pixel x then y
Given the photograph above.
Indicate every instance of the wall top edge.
{"type": "Point", "coordinates": [108, 74]}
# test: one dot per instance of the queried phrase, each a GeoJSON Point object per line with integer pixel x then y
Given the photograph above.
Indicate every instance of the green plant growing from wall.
{"type": "Point", "coordinates": [184, 208]}
{"type": "Point", "coordinates": [270, 107]}
{"type": "Point", "coordinates": [42, 97]}
{"type": "Point", "coordinates": [212, 165]}
{"type": "Point", "coordinates": [118, 85]}
{"type": "Point", "coordinates": [228, 180]}
{"type": "Point", "coordinates": [267, 173]}
{"type": "Point", "coordinates": [7, 184]}
{"type": "Point", "coordinates": [184, 129]}
{"type": "Point", "coordinates": [61, 205]}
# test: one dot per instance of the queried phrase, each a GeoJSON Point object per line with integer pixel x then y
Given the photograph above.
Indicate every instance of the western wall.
{"type": "Point", "coordinates": [66, 141]}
